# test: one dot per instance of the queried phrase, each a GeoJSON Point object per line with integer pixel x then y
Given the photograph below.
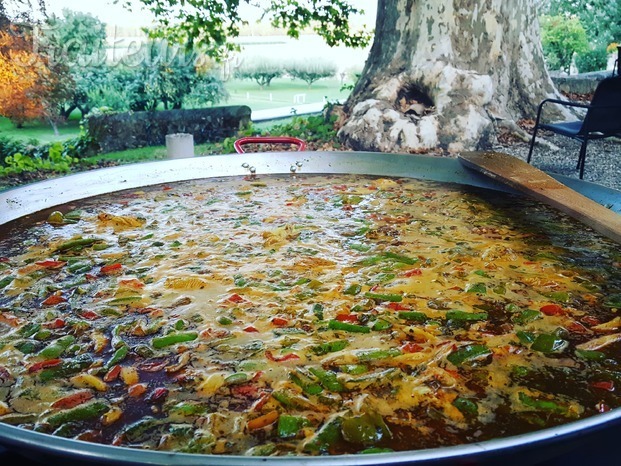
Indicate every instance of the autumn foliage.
{"type": "Point", "coordinates": [24, 80]}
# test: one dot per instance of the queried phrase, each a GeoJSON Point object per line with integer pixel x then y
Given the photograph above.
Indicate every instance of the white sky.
{"type": "Point", "coordinates": [112, 14]}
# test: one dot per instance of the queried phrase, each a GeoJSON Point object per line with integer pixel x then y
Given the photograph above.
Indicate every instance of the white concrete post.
{"type": "Point", "coordinates": [179, 146]}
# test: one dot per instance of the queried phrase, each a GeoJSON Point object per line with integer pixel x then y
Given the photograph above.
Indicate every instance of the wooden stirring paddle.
{"type": "Point", "coordinates": [535, 183]}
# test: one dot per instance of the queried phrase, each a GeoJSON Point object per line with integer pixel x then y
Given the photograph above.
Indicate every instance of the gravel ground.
{"type": "Point", "coordinates": [603, 158]}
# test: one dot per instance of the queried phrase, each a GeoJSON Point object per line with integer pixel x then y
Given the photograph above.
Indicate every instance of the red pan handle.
{"type": "Point", "coordinates": [268, 140]}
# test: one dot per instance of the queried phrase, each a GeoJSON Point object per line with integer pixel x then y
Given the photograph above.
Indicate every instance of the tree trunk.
{"type": "Point", "coordinates": [449, 74]}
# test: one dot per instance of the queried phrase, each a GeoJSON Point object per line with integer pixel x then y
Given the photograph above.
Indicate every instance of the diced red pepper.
{"type": "Point", "coordinates": [56, 323]}
{"type": "Point", "coordinates": [340, 187]}
{"type": "Point", "coordinates": [52, 300]}
{"type": "Point", "coordinates": [111, 269]}
{"type": "Point", "coordinates": [251, 329]}
{"type": "Point", "coordinates": [397, 307]}
{"type": "Point", "coordinates": [166, 188]}
{"type": "Point", "coordinates": [50, 264]}
{"type": "Point", "coordinates": [286, 357]}
{"type": "Point", "coordinates": [73, 400]}
{"type": "Point", "coordinates": [552, 310]}
{"type": "Point", "coordinates": [607, 385]}
{"type": "Point", "coordinates": [90, 276]}
{"type": "Point", "coordinates": [235, 298]}
{"type": "Point", "coordinates": [4, 259]}
{"type": "Point", "coordinates": [280, 321]}
{"type": "Point", "coordinates": [351, 318]}
{"type": "Point", "coordinates": [90, 315]}
{"type": "Point", "coordinates": [37, 366]}
{"type": "Point", "coordinates": [246, 390]}
{"type": "Point", "coordinates": [411, 347]}
{"type": "Point", "coordinates": [413, 272]}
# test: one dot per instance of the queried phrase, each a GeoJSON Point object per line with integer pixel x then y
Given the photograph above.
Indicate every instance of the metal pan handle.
{"type": "Point", "coordinates": [268, 140]}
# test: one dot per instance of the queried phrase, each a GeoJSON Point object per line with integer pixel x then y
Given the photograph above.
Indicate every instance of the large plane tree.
{"type": "Point", "coordinates": [451, 74]}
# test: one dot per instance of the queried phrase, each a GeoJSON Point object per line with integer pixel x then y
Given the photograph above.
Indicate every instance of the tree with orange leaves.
{"type": "Point", "coordinates": [23, 74]}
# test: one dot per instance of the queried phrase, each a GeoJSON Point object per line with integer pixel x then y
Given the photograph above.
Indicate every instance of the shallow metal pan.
{"type": "Point", "coordinates": [518, 450]}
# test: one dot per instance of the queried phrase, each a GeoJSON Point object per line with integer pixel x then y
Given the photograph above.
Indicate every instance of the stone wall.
{"type": "Point", "coordinates": [121, 131]}
{"type": "Point", "coordinates": [583, 83]}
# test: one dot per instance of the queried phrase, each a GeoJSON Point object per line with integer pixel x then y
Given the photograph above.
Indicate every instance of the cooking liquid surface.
{"type": "Point", "coordinates": [306, 315]}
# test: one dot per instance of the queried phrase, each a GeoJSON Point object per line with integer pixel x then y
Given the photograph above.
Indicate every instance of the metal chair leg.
{"type": "Point", "coordinates": [582, 157]}
{"type": "Point", "coordinates": [532, 144]}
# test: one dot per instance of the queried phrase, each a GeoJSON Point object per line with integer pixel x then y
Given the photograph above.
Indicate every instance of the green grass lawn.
{"type": "Point", "coordinates": [282, 91]}
{"type": "Point", "coordinates": [42, 132]}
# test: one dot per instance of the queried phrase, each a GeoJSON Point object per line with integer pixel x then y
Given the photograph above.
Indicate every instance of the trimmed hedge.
{"type": "Point", "coordinates": [122, 131]}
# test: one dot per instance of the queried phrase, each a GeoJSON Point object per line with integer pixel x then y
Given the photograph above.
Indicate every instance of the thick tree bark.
{"type": "Point", "coordinates": [448, 74]}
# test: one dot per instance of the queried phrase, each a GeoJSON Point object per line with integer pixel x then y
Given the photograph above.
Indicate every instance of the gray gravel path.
{"type": "Point", "coordinates": [603, 158]}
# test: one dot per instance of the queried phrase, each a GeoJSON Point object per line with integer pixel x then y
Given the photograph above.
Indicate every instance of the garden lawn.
{"type": "Point", "coordinates": [40, 131]}
{"type": "Point", "coordinates": [282, 92]}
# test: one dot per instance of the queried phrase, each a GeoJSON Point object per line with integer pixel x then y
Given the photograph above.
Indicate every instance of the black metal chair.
{"type": "Point", "coordinates": [602, 118]}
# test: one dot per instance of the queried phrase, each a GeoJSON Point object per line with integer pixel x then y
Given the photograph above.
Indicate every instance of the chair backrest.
{"type": "Point", "coordinates": [604, 116]}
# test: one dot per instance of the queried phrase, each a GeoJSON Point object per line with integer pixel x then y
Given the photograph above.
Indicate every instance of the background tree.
{"type": "Point", "coordinates": [443, 73]}
{"type": "Point", "coordinates": [311, 70]}
{"type": "Point", "coordinates": [601, 18]}
{"type": "Point", "coordinates": [561, 38]}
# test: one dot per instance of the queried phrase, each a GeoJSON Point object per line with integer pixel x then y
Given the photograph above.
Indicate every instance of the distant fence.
{"type": "Point", "coordinates": [122, 131]}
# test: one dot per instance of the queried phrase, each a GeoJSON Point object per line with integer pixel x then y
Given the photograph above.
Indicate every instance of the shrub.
{"type": "Point", "coordinates": [260, 69]}
{"type": "Point", "coordinates": [74, 148]}
{"type": "Point", "coordinates": [561, 37]}
{"type": "Point", "coordinates": [209, 90]}
{"type": "Point", "coordinates": [311, 70]}
{"type": "Point", "coordinates": [56, 161]}
{"type": "Point", "coordinates": [592, 60]}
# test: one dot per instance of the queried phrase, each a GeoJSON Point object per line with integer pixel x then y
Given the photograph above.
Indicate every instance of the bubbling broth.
{"type": "Point", "coordinates": [308, 315]}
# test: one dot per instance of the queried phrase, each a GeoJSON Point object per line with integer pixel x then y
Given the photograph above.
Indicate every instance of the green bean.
{"type": "Point", "coordinates": [57, 347]}
{"type": "Point", "coordinates": [79, 413]}
{"type": "Point", "coordinates": [173, 339]}
{"type": "Point", "coordinates": [328, 379]}
{"type": "Point", "coordinates": [393, 298]}
{"type": "Point", "coordinates": [338, 325]}
{"type": "Point", "coordinates": [67, 368]}
{"type": "Point", "coordinates": [466, 316]}
{"type": "Point", "coordinates": [6, 281]}
{"type": "Point", "coordinates": [118, 356]}
{"type": "Point", "coordinates": [413, 316]}
{"type": "Point", "coordinates": [329, 347]}
{"type": "Point", "coordinates": [375, 354]}
{"type": "Point", "coordinates": [77, 244]}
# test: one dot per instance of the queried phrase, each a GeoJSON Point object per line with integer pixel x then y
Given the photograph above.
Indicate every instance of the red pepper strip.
{"type": "Point", "coordinates": [351, 318]}
{"type": "Point", "coordinates": [590, 320]}
{"type": "Point", "coordinates": [166, 188]}
{"type": "Point", "coordinates": [552, 310]}
{"type": "Point", "coordinates": [112, 374]}
{"type": "Point", "coordinates": [4, 259]}
{"type": "Point", "coordinates": [280, 322]}
{"type": "Point", "coordinates": [52, 300]}
{"type": "Point", "coordinates": [50, 264]}
{"type": "Point", "coordinates": [411, 347]}
{"type": "Point", "coordinates": [576, 327]}
{"type": "Point", "coordinates": [153, 366]}
{"type": "Point", "coordinates": [157, 395]}
{"type": "Point", "coordinates": [413, 272]}
{"type": "Point", "coordinates": [56, 323]}
{"type": "Point", "coordinates": [397, 307]}
{"type": "Point", "coordinates": [286, 357]}
{"type": "Point", "coordinates": [73, 400]}
{"type": "Point", "coordinates": [604, 385]}
{"type": "Point", "coordinates": [37, 366]}
{"type": "Point", "coordinates": [251, 329]}
{"type": "Point", "coordinates": [111, 269]}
